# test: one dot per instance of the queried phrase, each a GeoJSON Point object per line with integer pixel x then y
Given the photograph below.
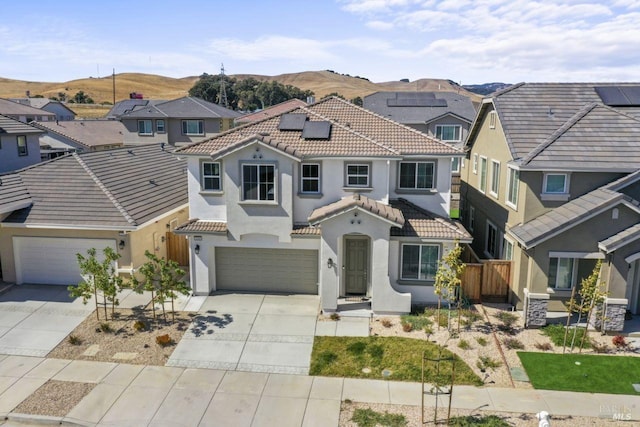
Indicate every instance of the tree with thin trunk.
{"type": "Point", "coordinates": [449, 279]}
{"type": "Point", "coordinates": [592, 293]}
{"type": "Point", "coordinates": [99, 280]}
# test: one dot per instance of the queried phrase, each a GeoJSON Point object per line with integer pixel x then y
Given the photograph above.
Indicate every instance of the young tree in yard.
{"type": "Point", "coordinates": [592, 294]}
{"type": "Point", "coordinates": [163, 278]}
{"type": "Point", "coordinates": [449, 279]}
{"type": "Point", "coordinates": [99, 277]}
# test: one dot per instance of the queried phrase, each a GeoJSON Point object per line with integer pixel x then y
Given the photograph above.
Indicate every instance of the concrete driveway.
{"type": "Point", "coordinates": [251, 332]}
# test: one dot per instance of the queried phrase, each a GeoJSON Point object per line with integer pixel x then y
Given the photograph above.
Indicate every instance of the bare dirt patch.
{"type": "Point", "coordinates": [54, 398]}
{"type": "Point", "coordinates": [130, 336]}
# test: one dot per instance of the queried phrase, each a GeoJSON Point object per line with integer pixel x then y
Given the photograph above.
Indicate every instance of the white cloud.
{"type": "Point", "coordinates": [380, 25]}
{"type": "Point", "coordinates": [271, 47]}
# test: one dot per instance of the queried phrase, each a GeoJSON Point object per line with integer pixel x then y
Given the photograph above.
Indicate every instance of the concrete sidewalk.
{"type": "Point", "coordinates": [136, 395]}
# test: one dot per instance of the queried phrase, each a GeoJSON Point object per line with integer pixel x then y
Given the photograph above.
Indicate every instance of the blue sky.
{"type": "Point", "coordinates": [383, 40]}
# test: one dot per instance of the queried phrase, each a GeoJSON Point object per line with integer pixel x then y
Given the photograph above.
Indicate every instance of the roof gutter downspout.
{"type": "Point", "coordinates": [388, 181]}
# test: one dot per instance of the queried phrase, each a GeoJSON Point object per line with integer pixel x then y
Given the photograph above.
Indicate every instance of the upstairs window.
{"type": "Point", "coordinates": [495, 178]}
{"type": "Point", "coordinates": [449, 132]}
{"type": "Point", "coordinates": [258, 182]}
{"type": "Point", "coordinates": [357, 175]}
{"type": "Point", "coordinates": [475, 163]}
{"type": "Point", "coordinates": [160, 126]}
{"type": "Point", "coordinates": [145, 127]}
{"type": "Point", "coordinates": [310, 178]}
{"type": "Point", "coordinates": [417, 175]}
{"type": "Point", "coordinates": [211, 176]}
{"type": "Point", "coordinates": [492, 120]}
{"type": "Point", "coordinates": [22, 146]}
{"type": "Point", "coordinates": [483, 175]}
{"type": "Point", "coordinates": [492, 244]}
{"type": "Point", "coordinates": [455, 164]}
{"type": "Point", "coordinates": [192, 127]}
{"type": "Point", "coordinates": [513, 181]}
{"type": "Point", "coordinates": [555, 183]}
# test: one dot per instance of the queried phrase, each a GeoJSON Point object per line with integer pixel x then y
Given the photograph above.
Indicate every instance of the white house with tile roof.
{"type": "Point", "coordinates": [327, 199]}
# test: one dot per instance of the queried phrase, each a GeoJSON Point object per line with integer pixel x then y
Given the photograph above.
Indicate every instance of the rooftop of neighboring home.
{"type": "Point", "coordinates": [11, 126]}
{"type": "Point", "coordinates": [274, 110]}
{"type": "Point", "coordinates": [115, 189]}
{"type": "Point", "coordinates": [186, 108]}
{"type": "Point", "coordinates": [10, 108]}
{"type": "Point", "coordinates": [89, 133]}
{"type": "Point", "coordinates": [330, 127]}
{"type": "Point", "coordinates": [420, 107]}
{"type": "Point", "coordinates": [565, 125]}
{"type": "Point", "coordinates": [13, 194]}
{"type": "Point", "coordinates": [40, 103]}
{"type": "Point", "coordinates": [128, 105]}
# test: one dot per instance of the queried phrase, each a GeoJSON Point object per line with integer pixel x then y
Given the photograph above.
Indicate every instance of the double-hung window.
{"type": "Point", "coordinates": [507, 252]}
{"type": "Point", "coordinates": [145, 127]}
{"type": "Point", "coordinates": [449, 132]}
{"type": "Point", "coordinates": [192, 127]}
{"type": "Point", "coordinates": [472, 218]}
{"type": "Point", "coordinates": [455, 164]}
{"type": "Point", "coordinates": [22, 146]}
{"type": "Point", "coordinates": [562, 273]}
{"type": "Point", "coordinates": [417, 175]}
{"type": "Point", "coordinates": [419, 262]}
{"type": "Point", "coordinates": [495, 178]}
{"type": "Point", "coordinates": [310, 178]}
{"type": "Point", "coordinates": [357, 175]}
{"type": "Point", "coordinates": [483, 174]}
{"type": "Point", "coordinates": [160, 128]}
{"type": "Point", "coordinates": [258, 182]}
{"type": "Point", "coordinates": [211, 176]}
{"type": "Point", "coordinates": [492, 246]}
{"type": "Point", "coordinates": [513, 181]}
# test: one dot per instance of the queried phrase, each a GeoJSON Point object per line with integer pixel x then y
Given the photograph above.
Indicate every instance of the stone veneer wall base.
{"type": "Point", "coordinates": [535, 309]}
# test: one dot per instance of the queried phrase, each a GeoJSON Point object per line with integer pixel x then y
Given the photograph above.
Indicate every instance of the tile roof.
{"type": "Point", "coordinates": [620, 239]}
{"type": "Point", "coordinates": [90, 133]}
{"type": "Point", "coordinates": [13, 194]}
{"type": "Point", "coordinates": [530, 113]}
{"type": "Point", "coordinates": [205, 227]}
{"type": "Point", "coordinates": [354, 132]}
{"type": "Point", "coordinates": [566, 216]}
{"type": "Point", "coordinates": [274, 110]}
{"type": "Point", "coordinates": [187, 108]}
{"type": "Point", "coordinates": [424, 224]}
{"type": "Point", "coordinates": [40, 103]}
{"type": "Point", "coordinates": [13, 126]}
{"type": "Point", "coordinates": [456, 104]}
{"type": "Point", "coordinates": [357, 201]}
{"type": "Point", "coordinates": [10, 108]}
{"type": "Point", "coordinates": [116, 189]}
{"type": "Point", "coordinates": [306, 230]}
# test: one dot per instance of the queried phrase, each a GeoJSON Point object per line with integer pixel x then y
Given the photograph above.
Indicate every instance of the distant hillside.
{"type": "Point", "coordinates": [486, 88]}
{"type": "Point", "coordinates": [159, 87]}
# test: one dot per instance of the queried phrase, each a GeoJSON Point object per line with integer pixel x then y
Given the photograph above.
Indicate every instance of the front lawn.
{"type": "Point", "coordinates": [368, 357]}
{"type": "Point", "coordinates": [584, 373]}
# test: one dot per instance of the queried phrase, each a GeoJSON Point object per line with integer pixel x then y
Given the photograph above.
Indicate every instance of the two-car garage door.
{"type": "Point", "coordinates": [267, 270]}
{"type": "Point", "coordinates": [52, 261]}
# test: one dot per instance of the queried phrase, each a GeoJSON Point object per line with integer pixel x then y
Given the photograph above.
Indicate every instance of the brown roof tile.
{"type": "Point", "coordinates": [424, 224]}
{"type": "Point", "coordinates": [357, 200]}
{"type": "Point", "coordinates": [204, 227]}
{"type": "Point", "coordinates": [274, 110]}
{"type": "Point", "coordinates": [306, 230]}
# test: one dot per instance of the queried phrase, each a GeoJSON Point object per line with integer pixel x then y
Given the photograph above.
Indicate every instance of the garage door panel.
{"type": "Point", "coordinates": [267, 270]}
{"type": "Point", "coordinates": [52, 261]}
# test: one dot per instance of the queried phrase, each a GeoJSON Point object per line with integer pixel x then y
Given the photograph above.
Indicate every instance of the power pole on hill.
{"type": "Point", "coordinates": [223, 91]}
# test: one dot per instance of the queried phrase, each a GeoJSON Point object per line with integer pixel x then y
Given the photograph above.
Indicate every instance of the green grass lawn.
{"type": "Point", "coordinates": [586, 373]}
{"type": "Point", "coordinates": [348, 356]}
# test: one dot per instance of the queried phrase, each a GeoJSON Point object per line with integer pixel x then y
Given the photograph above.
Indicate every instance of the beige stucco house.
{"type": "Point", "coordinates": [550, 183]}
{"type": "Point", "coordinates": [327, 199]}
{"type": "Point", "coordinates": [127, 199]}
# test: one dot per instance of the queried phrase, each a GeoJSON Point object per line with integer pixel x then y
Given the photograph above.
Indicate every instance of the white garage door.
{"type": "Point", "coordinates": [267, 270]}
{"type": "Point", "coordinates": [52, 261]}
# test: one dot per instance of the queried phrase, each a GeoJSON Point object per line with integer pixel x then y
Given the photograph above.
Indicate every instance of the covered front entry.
{"type": "Point", "coordinates": [267, 270]}
{"type": "Point", "coordinates": [356, 265]}
{"type": "Point", "coordinates": [633, 287]}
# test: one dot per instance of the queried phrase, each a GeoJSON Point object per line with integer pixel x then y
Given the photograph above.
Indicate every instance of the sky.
{"type": "Point", "coordinates": [469, 42]}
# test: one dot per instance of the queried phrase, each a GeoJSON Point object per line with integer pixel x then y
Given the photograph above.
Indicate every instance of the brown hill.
{"type": "Point", "coordinates": [160, 87]}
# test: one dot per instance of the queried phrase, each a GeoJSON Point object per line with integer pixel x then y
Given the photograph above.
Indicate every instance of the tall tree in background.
{"type": "Point", "coordinates": [208, 88]}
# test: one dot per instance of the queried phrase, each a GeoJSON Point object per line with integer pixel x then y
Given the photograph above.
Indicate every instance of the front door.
{"type": "Point", "coordinates": [356, 265]}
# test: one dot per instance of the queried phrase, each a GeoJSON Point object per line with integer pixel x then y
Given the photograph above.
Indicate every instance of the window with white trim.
{"type": "Point", "coordinates": [258, 182]}
{"type": "Point", "coordinates": [193, 127]}
{"type": "Point", "coordinates": [419, 262]}
{"type": "Point", "coordinates": [357, 175]}
{"type": "Point", "coordinates": [495, 178]}
{"type": "Point", "coordinates": [492, 243]}
{"type": "Point", "coordinates": [492, 120]}
{"type": "Point", "coordinates": [562, 272]}
{"type": "Point", "coordinates": [472, 218]}
{"type": "Point", "coordinates": [211, 176]}
{"type": "Point", "coordinates": [483, 174]}
{"type": "Point", "coordinates": [145, 127]}
{"type": "Point", "coordinates": [449, 132]}
{"type": "Point", "coordinates": [455, 164]}
{"type": "Point", "coordinates": [310, 178]}
{"type": "Point", "coordinates": [22, 145]}
{"type": "Point", "coordinates": [507, 251]}
{"type": "Point", "coordinates": [160, 128]}
{"type": "Point", "coordinates": [555, 183]}
{"type": "Point", "coordinates": [475, 163]}
{"type": "Point", "coordinates": [513, 182]}
{"type": "Point", "coordinates": [417, 175]}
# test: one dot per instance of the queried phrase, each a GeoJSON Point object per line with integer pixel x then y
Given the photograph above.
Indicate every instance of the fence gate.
{"type": "Point", "coordinates": [177, 248]}
{"type": "Point", "coordinates": [487, 280]}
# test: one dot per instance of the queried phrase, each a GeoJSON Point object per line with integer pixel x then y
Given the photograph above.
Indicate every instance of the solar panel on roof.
{"type": "Point", "coordinates": [316, 130]}
{"type": "Point", "coordinates": [292, 121]}
{"type": "Point", "coordinates": [612, 96]}
{"type": "Point", "coordinates": [633, 94]}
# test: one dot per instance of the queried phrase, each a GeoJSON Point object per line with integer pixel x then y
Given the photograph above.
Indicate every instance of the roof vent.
{"type": "Point", "coordinates": [316, 130]}
{"type": "Point", "coordinates": [130, 152]}
{"type": "Point", "coordinates": [152, 181]}
{"type": "Point", "coordinates": [292, 121]}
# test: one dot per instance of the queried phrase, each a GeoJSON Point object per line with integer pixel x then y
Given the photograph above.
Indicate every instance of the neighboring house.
{"type": "Point", "coordinates": [62, 112]}
{"type": "Point", "coordinates": [24, 113]}
{"type": "Point", "coordinates": [329, 199]}
{"type": "Point", "coordinates": [547, 186]}
{"type": "Point", "coordinates": [19, 146]}
{"type": "Point", "coordinates": [78, 136]}
{"type": "Point", "coordinates": [128, 105]}
{"type": "Point", "coordinates": [274, 110]}
{"type": "Point", "coordinates": [443, 115]}
{"type": "Point", "coordinates": [178, 122]}
{"type": "Point", "coordinates": [127, 199]}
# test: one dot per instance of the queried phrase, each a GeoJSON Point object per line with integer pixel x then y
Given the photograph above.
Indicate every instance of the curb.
{"type": "Point", "coordinates": [45, 420]}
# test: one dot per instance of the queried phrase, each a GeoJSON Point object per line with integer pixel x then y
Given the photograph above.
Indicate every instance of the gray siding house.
{"type": "Point", "coordinates": [24, 113]}
{"type": "Point", "coordinates": [551, 183]}
{"type": "Point", "coordinates": [19, 146]}
{"type": "Point", "coordinates": [61, 111]}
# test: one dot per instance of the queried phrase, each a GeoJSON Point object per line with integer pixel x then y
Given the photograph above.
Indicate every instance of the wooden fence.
{"type": "Point", "coordinates": [177, 248]}
{"type": "Point", "coordinates": [487, 280]}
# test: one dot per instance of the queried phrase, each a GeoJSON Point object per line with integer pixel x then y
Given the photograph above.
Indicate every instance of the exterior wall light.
{"type": "Point", "coordinates": [121, 244]}
{"type": "Point", "coordinates": [197, 249]}
{"type": "Point", "coordinates": [330, 263]}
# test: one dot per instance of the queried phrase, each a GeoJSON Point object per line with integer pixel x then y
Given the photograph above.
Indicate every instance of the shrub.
{"type": "Point", "coordinates": [599, 348]}
{"type": "Point", "coordinates": [472, 316]}
{"type": "Point", "coordinates": [543, 346]}
{"type": "Point", "coordinates": [106, 327]}
{"type": "Point", "coordinates": [481, 421]}
{"type": "Point", "coordinates": [620, 342]}
{"type": "Point", "coordinates": [464, 344]}
{"type": "Point", "coordinates": [334, 316]}
{"type": "Point", "coordinates": [416, 322]}
{"type": "Point", "coordinates": [508, 320]}
{"type": "Point", "coordinates": [164, 340]}
{"type": "Point", "coordinates": [513, 344]}
{"type": "Point", "coordinates": [139, 325]}
{"type": "Point", "coordinates": [428, 330]}
{"type": "Point", "coordinates": [486, 362]}
{"type": "Point", "coordinates": [407, 327]}
{"type": "Point", "coordinates": [74, 340]}
{"type": "Point", "coordinates": [482, 341]}
{"type": "Point", "coordinates": [387, 323]}
{"type": "Point", "coordinates": [369, 418]}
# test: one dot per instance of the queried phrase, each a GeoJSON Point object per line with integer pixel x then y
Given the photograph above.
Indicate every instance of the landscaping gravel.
{"type": "Point", "coordinates": [54, 398]}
